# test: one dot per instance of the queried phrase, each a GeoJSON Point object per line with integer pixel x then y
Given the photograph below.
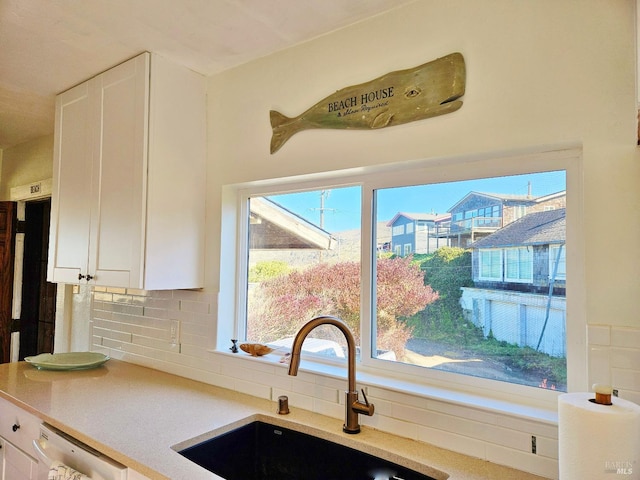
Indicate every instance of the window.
{"type": "Point", "coordinates": [491, 264]}
{"type": "Point", "coordinates": [447, 314]}
{"type": "Point", "coordinates": [519, 211]}
{"type": "Point", "coordinates": [409, 227]}
{"type": "Point", "coordinates": [303, 262]}
{"type": "Point", "coordinates": [557, 262]}
{"type": "Point", "coordinates": [519, 264]}
{"type": "Point", "coordinates": [398, 230]}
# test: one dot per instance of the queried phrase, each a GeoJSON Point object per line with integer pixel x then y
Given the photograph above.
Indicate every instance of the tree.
{"type": "Point", "coordinates": [290, 300]}
{"type": "Point", "coordinates": [447, 271]}
{"type": "Point", "coordinates": [265, 270]}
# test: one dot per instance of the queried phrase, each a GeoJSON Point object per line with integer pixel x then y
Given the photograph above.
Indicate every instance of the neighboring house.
{"type": "Point", "coordinates": [275, 227]}
{"type": "Point", "coordinates": [418, 232]}
{"type": "Point", "coordinates": [519, 275]}
{"type": "Point", "coordinates": [479, 214]}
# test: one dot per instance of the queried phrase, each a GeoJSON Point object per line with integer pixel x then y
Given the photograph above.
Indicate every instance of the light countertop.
{"type": "Point", "coordinates": [136, 415]}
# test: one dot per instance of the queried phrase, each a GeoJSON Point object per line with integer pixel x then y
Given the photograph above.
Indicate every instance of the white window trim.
{"type": "Point", "coordinates": [567, 158]}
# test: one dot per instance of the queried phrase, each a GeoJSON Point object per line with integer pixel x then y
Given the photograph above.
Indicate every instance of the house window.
{"type": "Point", "coordinates": [557, 262]}
{"type": "Point", "coordinates": [518, 264]}
{"type": "Point", "coordinates": [409, 227]}
{"type": "Point", "coordinates": [491, 264]}
{"type": "Point", "coordinates": [519, 211]}
{"type": "Point", "coordinates": [408, 312]}
{"type": "Point", "coordinates": [398, 230]}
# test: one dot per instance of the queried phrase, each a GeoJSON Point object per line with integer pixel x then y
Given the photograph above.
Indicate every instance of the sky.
{"type": "Point", "coordinates": [342, 206]}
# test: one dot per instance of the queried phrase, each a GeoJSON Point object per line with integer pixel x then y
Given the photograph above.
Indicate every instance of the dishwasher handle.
{"type": "Point", "coordinates": [42, 456]}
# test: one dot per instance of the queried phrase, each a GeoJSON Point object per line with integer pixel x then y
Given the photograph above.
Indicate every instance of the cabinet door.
{"type": "Point", "coordinates": [119, 180]}
{"type": "Point", "coordinates": [17, 464]}
{"type": "Point", "coordinates": [71, 189]}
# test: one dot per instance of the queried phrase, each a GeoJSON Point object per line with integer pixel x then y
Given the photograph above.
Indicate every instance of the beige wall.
{"type": "Point", "coordinates": [26, 163]}
{"type": "Point", "coordinates": [539, 72]}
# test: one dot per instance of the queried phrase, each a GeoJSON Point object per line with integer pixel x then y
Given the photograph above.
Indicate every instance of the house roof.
{"type": "Point", "coordinates": [538, 228]}
{"type": "Point", "coordinates": [275, 227]}
{"type": "Point", "coordinates": [506, 197]}
{"type": "Point", "coordinates": [501, 197]}
{"type": "Point", "coordinates": [434, 217]}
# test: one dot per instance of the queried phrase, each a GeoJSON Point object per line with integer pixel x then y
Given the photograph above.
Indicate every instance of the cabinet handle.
{"type": "Point", "coordinates": [15, 427]}
{"type": "Point", "coordinates": [89, 278]}
{"type": "Point", "coordinates": [80, 276]}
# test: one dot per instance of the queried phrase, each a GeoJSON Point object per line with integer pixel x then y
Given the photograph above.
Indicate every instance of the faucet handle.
{"type": "Point", "coordinates": [365, 408]}
{"type": "Point", "coordinates": [366, 401]}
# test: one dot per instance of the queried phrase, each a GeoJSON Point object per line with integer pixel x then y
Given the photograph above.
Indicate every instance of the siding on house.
{"type": "Point", "coordinates": [418, 232]}
{"type": "Point", "coordinates": [479, 214]}
{"type": "Point", "coordinates": [536, 231]}
{"type": "Point", "coordinates": [522, 312]}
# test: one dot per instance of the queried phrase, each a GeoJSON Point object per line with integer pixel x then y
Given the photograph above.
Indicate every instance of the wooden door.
{"type": "Point", "coordinates": [7, 245]}
{"type": "Point", "coordinates": [37, 316]}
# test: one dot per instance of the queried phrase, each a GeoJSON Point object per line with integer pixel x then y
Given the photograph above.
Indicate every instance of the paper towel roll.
{"type": "Point", "coordinates": [598, 441]}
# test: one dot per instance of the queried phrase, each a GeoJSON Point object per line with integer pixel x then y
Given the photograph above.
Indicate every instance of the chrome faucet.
{"type": "Point", "coordinates": [353, 406]}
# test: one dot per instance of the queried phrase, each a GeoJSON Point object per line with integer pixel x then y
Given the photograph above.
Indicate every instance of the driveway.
{"type": "Point", "coordinates": [420, 351]}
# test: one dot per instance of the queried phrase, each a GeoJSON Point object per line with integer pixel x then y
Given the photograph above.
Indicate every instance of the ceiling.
{"type": "Point", "coordinates": [48, 46]}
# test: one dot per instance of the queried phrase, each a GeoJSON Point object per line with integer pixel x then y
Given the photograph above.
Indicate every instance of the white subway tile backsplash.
{"type": "Point", "coordinates": [195, 307]}
{"type": "Point", "coordinates": [391, 425]}
{"type": "Point", "coordinates": [148, 311]}
{"type": "Point", "coordinates": [529, 462]}
{"type": "Point", "coordinates": [112, 334]}
{"type": "Point", "coordinates": [330, 409]}
{"type": "Point", "coordinates": [103, 296]}
{"type": "Point", "coordinates": [134, 325]}
{"type": "Point", "coordinates": [252, 388]}
{"type": "Point", "coordinates": [547, 447]}
{"type": "Point", "coordinates": [625, 337]}
{"type": "Point", "coordinates": [625, 357]}
{"type": "Point", "coordinates": [452, 441]}
{"type": "Point", "coordinates": [523, 425]}
{"type": "Point", "coordinates": [599, 334]}
{"type": "Point", "coordinates": [599, 364]}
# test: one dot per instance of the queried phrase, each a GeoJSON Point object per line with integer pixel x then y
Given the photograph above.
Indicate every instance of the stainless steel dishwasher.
{"type": "Point", "coordinates": [56, 446]}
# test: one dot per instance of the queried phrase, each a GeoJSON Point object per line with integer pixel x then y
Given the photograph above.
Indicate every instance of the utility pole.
{"type": "Point", "coordinates": [323, 194]}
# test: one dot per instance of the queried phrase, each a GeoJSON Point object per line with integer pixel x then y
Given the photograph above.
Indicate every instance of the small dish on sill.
{"type": "Point", "coordinates": [67, 361]}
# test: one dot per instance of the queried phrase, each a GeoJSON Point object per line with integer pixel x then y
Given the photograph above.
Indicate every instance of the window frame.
{"type": "Point", "coordinates": [234, 209]}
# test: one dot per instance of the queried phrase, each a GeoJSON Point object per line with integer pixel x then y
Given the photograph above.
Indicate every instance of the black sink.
{"type": "Point", "coordinates": [260, 451]}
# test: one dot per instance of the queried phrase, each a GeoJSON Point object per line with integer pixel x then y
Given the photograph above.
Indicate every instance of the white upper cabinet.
{"type": "Point", "coordinates": [128, 189]}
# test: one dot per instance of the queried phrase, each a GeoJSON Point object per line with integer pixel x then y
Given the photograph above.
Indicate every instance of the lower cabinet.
{"type": "Point", "coordinates": [16, 465]}
{"type": "Point", "coordinates": [18, 429]}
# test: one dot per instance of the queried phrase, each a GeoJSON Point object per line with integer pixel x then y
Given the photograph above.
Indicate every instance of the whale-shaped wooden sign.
{"type": "Point", "coordinates": [403, 96]}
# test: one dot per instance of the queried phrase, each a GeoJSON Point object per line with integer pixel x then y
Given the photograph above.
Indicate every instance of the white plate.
{"type": "Point", "coordinates": [67, 361]}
